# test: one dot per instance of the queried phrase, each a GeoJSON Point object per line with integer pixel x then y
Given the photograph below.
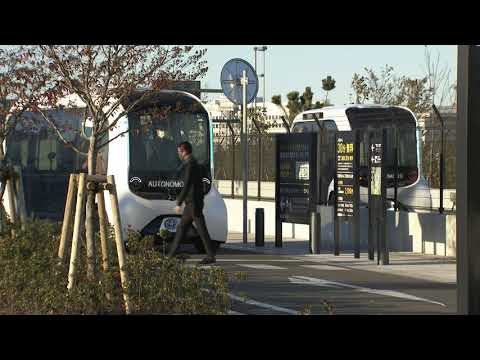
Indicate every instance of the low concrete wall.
{"type": "Point", "coordinates": [267, 189]}
{"type": "Point", "coordinates": [433, 233]}
{"type": "Point", "coordinates": [235, 218]}
{"type": "Point", "coordinates": [427, 233]}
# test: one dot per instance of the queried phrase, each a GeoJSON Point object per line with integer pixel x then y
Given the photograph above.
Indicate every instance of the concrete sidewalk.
{"type": "Point", "coordinates": [420, 266]}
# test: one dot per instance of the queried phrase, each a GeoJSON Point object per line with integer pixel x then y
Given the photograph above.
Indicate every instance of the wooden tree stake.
{"type": "Point", "coordinates": [20, 195]}
{"type": "Point", "coordinates": [80, 209]}
{"type": "Point", "coordinates": [11, 201]}
{"type": "Point", "coordinates": [102, 218]}
{"type": "Point", "coordinates": [119, 241]}
{"type": "Point", "coordinates": [68, 215]}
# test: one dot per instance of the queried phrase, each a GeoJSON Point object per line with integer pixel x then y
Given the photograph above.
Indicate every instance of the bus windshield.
{"type": "Point", "coordinates": [154, 140]}
{"type": "Point", "coordinates": [406, 145]}
{"type": "Point", "coordinates": [400, 127]}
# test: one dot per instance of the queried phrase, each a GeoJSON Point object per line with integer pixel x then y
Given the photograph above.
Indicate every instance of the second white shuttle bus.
{"type": "Point", "coordinates": [413, 190]}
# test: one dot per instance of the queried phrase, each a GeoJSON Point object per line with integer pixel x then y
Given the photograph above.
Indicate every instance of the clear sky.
{"type": "Point", "coordinates": [294, 67]}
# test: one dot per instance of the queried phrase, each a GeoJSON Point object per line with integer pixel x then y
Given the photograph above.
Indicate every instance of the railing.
{"type": "Point", "coordinates": [268, 194]}
{"type": "Point", "coordinates": [229, 157]}
{"type": "Point", "coordinates": [261, 172]}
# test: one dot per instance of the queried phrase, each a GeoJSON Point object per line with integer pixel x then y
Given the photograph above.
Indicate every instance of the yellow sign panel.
{"type": "Point", "coordinates": [376, 185]}
{"type": "Point", "coordinates": [344, 148]}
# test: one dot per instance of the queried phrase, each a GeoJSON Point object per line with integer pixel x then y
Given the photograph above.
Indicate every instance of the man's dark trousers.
{"type": "Point", "coordinates": [192, 215]}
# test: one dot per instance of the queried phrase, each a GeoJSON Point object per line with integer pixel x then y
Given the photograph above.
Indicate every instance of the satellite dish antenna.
{"type": "Point", "coordinates": [231, 81]}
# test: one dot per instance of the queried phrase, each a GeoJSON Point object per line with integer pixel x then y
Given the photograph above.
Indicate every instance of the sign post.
{"type": "Point", "coordinates": [356, 196]}
{"type": "Point", "coordinates": [240, 85]}
{"type": "Point", "coordinates": [245, 154]}
{"type": "Point", "coordinates": [377, 195]}
{"type": "Point", "coordinates": [346, 187]}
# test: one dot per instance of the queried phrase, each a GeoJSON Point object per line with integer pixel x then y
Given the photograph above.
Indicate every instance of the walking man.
{"type": "Point", "coordinates": [192, 195]}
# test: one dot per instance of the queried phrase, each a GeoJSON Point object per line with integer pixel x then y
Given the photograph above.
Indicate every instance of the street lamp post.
{"type": "Point", "coordinates": [262, 49]}
{"type": "Point", "coordinates": [441, 165]}
{"type": "Point", "coordinates": [259, 151]}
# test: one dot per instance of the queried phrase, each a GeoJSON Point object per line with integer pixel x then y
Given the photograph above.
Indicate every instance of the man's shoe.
{"type": "Point", "coordinates": [207, 260]}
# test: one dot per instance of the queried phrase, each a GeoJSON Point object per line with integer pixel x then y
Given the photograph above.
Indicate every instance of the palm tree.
{"type": "Point", "coordinates": [328, 84]}
{"type": "Point", "coordinates": [306, 98]}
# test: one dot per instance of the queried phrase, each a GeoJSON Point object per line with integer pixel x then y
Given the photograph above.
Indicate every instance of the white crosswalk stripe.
{"type": "Point", "coordinates": [324, 267]}
{"type": "Point", "coordinates": [262, 304]}
{"type": "Point", "coordinates": [233, 312]}
{"type": "Point", "coordinates": [253, 260]}
{"type": "Point", "coordinates": [262, 266]}
{"type": "Point", "coordinates": [305, 280]}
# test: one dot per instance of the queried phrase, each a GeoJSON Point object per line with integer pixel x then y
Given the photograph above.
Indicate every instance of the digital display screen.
{"type": "Point", "coordinates": [302, 170]}
{"type": "Point", "coordinates": [295, 156]}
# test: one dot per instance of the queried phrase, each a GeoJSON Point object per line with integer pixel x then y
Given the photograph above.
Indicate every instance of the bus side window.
{"type": "Point", "coordinates": [47, 151]}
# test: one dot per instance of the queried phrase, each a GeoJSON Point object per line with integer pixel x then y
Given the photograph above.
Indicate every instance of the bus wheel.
{"type": "Point", "coordinates": [200, 248]}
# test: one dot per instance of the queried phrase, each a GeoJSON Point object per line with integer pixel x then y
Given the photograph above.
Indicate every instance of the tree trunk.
{"type": "Point", "coordinates": [9, 190]}
{"type": "Point", "coordinates": [3, 213]}
{"type": "Point", "coordinates": [430, 161]}
{"type": "Point", "coordinates": [2, 156]}
{"type": "Point", "coordinates": [89, 215]}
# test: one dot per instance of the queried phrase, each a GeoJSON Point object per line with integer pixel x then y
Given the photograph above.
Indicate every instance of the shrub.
{"type": "Point", "coordinates": [33, 282]}
{"type": "Point", "coordinates": [161, 285]}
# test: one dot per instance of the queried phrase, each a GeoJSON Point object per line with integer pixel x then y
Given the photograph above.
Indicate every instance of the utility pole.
{"type": "Point", "coordinates": [245, 154]}
{"type": "Point", "coordinates": [468, 170]}
{"type": "Point", "coordinates": [442, 164]}
{"type": "Point", "coordinates": [259, 150]}
{"type": "Point", "coordinates": [262, 49]}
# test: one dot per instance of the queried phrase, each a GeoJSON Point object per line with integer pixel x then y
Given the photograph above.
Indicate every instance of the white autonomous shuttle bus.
{"type": "Point", "coordinates": [413, 190]}
{"type": "Point", "coordinates": [147, 170]}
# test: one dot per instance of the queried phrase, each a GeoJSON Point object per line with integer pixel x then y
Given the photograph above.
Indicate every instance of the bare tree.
{"type": "Point", "coordinates": [438, 77]}
{"type": "Point", "coordinates": [8, 68]}
{"type": "Point", "coordinates": [277, 100]}
{"type": "Point", "coordinates": [360, 88]}
{"type": "Point", "coordinates": [441, 89]}
{"type": "Point", "coordinates": [385, 87]}
{"type": "Point", "coordinates": [379, 88]}
{"type": "Point", "coordinates": [16, 97]}
{"type": "Point", "coordinates": [414, 94]}
{"type": "Point", "coordinates": [109, 81]}
{"type": "Point", "coordinates": [260, 117]}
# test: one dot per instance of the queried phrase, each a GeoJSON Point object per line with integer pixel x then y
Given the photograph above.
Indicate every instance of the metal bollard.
{"type": "Point", "coordinates": [259, 227]}
{"type": "Point", "coordinates": [315, 232]}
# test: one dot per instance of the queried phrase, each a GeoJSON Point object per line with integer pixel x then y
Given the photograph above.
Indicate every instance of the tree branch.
{"type": "Point", "coordinates": [110, 140]}
{"type": "Point", "coordinates": [83, 134]}
{"type": "Point", "coordinates": [74, 88]}
{"type": "Point", "coordinates": [57, 130]}
{"type": "Point", "coordinates": [126, 111]}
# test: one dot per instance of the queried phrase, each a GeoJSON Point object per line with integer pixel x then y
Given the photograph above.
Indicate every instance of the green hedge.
{"type": "Point", "coordinates": [33, 282]}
